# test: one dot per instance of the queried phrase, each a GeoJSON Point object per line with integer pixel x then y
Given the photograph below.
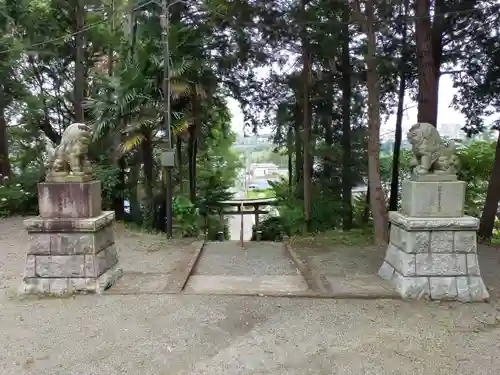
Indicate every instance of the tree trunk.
{"type": "Point", "coordinates": [403, 62]}
{"type": "Point", "coordinates": [148, 162]}
{"type": "Point", "coordinates": [328, 137]}
{"type": "Point", "coordinates": [377, 198]}
{"type": "Point", "coordinates": [306, 111]}
{"type": "Point", "coordinates": [428, 78]}
{"type": "Point", "coordinates": [133, 182]}
{"type": "Point", "coordinates": [118, 199]}
{"type": "Point", "coordinates": [289, 150]}
{"type": "Point", "coordinates": [299, 161]}
{"type": "Point", "coordinates": [346, 124]}
{"type": "Point", "coordinates": [192, 151]}
{"type": "Point", "coordinates": [79, 88]}
{"type": "Point", "coordinates": [366, 212]}
{"type": "Point", "coordinates": [194, 131]}
{"type": "Point", "coordinates": [4, 146]}
{"type": "Point", "coordinates": [180, 166]}
{"type": "Point", "coordinates": [490, 209]}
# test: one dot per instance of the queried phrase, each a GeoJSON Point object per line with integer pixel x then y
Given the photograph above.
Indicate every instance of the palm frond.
{"type": "Point", "coordinates": [131, 142]}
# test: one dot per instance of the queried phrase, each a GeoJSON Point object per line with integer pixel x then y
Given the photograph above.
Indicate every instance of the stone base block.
{"type": "Point", "coordinates": [84, 259]}
{"type": "Point", "coordinates": [69, 199]}
{"type": "Point", "coordinates": [433, 199]}
{"type": "Point", "coordinates": [434, 258]}
{"type": "Point", "coordinates": [441, 288]}
{"type": "Point", "coordinates": [60, 286]}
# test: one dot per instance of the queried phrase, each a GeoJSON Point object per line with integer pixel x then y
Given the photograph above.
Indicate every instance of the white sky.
{"type": "Point", "coordinates": [449, 120]}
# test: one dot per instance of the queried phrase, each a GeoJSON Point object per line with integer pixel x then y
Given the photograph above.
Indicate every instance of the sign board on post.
{"type": "Point", "coordinates": [168, 158]}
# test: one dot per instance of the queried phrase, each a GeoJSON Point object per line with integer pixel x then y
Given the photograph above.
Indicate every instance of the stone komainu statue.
{"type": "Point", "coordinates": [71, 154]}
{"type": "Point", "coordinates": [430, 153]}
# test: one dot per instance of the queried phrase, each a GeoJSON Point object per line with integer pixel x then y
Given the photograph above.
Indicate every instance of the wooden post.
{"type": "Point", "coordinates": [241, 229]}
{"type": "Point", "coordinates": [256, 207]}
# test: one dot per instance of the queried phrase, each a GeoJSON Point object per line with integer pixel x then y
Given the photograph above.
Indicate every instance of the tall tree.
{"type": "Point", "coordinates": [306, 112]}
{"type": "Point", "coordinates": [377, 197]}
{"type": "Point", "coordinates": [403, 74]}
{"type": "Point", "coordinates": [79, 88]}
{"type": "Point", "coordinates": [346, 121]}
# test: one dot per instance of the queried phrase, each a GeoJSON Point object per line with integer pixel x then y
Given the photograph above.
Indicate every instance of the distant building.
{"type": "Point", "coordinates": [259, 170]}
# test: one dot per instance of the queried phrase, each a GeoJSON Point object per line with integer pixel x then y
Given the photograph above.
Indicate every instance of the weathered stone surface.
{"type": "Point", "coordinates": [96, 265]}
{"type": "Point", "coordinates": [463, 291]}
{"type": "Point", "coordinates": [411, 287]}
{"type": "Point", "coordinates": [441, 241]}
{"type": "Point", "coordinates": [465, 241]}
{"type": "Point", "coordinates": [59, 285]}
{"type": "Point", "coordinates": [402, 262]}
{"type": "Point", "coordinates": [433, 199]}
{"type": "Point", "coordinates": [71, 243]}
{"type": "Point", "coordinates": [433, 264]}
{"type": "Point", "coordinates": [433, 177]}
{"type": "Point", "coordinates": [60, 266]}
{"type": "Point", "coordinates": [386, 271]}
{"type": "Point", "coordinates": [35, 285]}
{"type": "Point", "coordinates": [39, 243]}
{"type": "Point", "coordinates": [29, 266]}
{"type": "Point", "coordinates": [464, 223]}
{"type": "Point", "coordinates": [472, 265]}
{"type": "Point", "coordinates": [83, 284]}
{"type": "Point", "coordinates": [55, 225]}
{"type": "Point", "coordinates": [70, 200]}
{"type": "Point", "coordinates": [108, 278]}
{"type": "Point", "coordinates": [477, 289]}
{"type": "Point", "coordinates": [410, 242]}
{"type": "Point", "coordinates": [443, 288]}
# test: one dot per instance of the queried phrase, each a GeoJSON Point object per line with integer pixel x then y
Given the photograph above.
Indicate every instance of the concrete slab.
{"type": "Point", "coordinates": [241, 285]}
{"type": "Point", "coordinates": [171, 280]}
{"type": "Point", "coordinates": [142, 283]}
{"type": "Point", "coordinates": [254, 259]}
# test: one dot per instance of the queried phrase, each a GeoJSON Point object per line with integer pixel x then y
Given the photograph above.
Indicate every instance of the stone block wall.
{"type": "Point", "coordinates": [433, 256]}
{"type": "Point", "coordinates": [70, 255]}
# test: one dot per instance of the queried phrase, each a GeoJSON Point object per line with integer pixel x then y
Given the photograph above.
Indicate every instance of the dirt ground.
{"type": "Point", "coordinates": [191, 334]}
{"type": "Point", "coordinates": [357, 265]}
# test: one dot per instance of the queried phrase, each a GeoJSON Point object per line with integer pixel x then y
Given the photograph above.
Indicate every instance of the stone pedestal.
{"type": "Point", "coordinates": [433, 248]}
{"type": "Point", "coordinates": [72, 245]}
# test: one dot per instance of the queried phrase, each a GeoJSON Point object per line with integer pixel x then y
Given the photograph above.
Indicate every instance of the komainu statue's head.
{"type": "Point", "coordinates": [424, 135]}
{"type": "Point", "coordinates": [77, 134]}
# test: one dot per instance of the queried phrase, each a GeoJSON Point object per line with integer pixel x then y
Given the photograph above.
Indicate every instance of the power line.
{"type": "Point", "coordinates": [250, 23]}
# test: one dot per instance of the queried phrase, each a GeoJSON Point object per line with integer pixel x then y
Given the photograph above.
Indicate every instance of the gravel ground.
{"type": "Point", "coordinates": [188, 335]}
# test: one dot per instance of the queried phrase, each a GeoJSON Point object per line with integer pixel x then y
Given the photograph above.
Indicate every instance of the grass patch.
{"type": "Point", "coordinates": [261, 193]}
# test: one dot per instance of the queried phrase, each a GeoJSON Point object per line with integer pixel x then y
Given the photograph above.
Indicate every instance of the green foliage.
{"type": "Point", "coordinates": [476, 161]}
{"type": "Point", "coordinates": [211, 225]}
{"type": "Point", "coordinates": [260, 193]}
{"type": "Point", "coordinates": [272, 228]}
{"type": "Point", "coordinates": [19, 194]}
{"type": "Point", "coordinates": [185, 216]}
{"type": "Point", "coordinates": [291, 219]}
{"type": "Point", "coordinates": [110, 184]}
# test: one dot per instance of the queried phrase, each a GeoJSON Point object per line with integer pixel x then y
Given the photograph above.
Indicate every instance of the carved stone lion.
{"type": "Point", "coordinates": [430, 153]}
{"type": "Point", "coordinates": [71, 154]}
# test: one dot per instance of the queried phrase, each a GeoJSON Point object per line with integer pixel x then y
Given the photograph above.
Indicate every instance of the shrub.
{"type": "Point", "coordinates": [272, 228]}
{"type": "Point", "coordinates": [212, 225]}
{"type": "Point", "coordinates": [185, 216]}
{"type": "Point", "coordinates": [19, 194]}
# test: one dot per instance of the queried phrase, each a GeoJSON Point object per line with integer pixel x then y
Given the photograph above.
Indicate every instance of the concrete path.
{"type": "Point", "coordinates": [256, 268]}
